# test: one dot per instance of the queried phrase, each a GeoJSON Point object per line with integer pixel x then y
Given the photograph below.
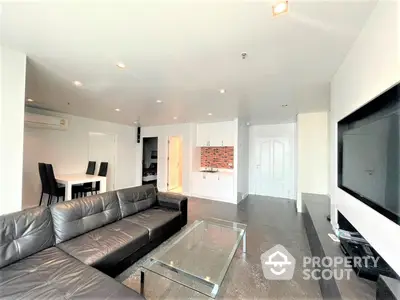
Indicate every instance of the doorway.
{"type": "Point", "coordinates": [274, 167]}
{"type": "Point", "coordinates": [103, 148]}
{"type": "Point", "coordinates": [174, 183]}
{"type": "Point", "coordinates": [150, 161]}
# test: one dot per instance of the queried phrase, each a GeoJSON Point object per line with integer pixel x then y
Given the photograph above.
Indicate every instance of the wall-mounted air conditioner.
{"type": "Point", "coordinates": [45, 122]}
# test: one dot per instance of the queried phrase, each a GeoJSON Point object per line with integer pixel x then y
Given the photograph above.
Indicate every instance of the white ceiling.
{"type": "Point", "coordinates": [182, 52]}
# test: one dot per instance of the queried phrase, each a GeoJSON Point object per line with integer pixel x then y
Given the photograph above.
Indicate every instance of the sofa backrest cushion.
{"type": "Point", "coordinates": [135, 199]}
{"type": "Point", "coordinates": [24, 233]}
{"type": "Point", "coordinates": [76, 217]}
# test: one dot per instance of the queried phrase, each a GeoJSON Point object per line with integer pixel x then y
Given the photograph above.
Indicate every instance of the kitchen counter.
{"type": "Point", "coordinates": [202, 170]}
{"type": "Point", "coordinates": [215, 186]}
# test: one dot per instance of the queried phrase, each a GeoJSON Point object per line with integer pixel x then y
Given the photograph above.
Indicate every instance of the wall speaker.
{"type": "Point", "coordinates": [138, 135]}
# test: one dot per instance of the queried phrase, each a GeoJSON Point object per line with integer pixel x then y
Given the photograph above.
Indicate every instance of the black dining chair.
{"type": "Point", "coordinates": [102, 172]}
{"type": "Point", "coordinates": [55, 190]}
{"type": "Point", "coordinates": [91, 168]}
{"type": "Point", "coordinates": [44, 180]}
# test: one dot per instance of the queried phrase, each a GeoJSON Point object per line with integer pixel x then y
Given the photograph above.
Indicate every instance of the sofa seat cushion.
{"type": "Point", "coordinates": [53, 274]}
{"type": "Point", "coordinates": [159, 221]}
{"type": "Point", "coordinates": [104, 247]}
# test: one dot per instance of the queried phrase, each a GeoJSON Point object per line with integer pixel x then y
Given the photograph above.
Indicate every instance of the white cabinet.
{"type": "Point", "coordinates": [214, 186]}
{"type": "Point", "coordinates": [218, 134]}
{"type": "Point", "coordinates": [203, 135]}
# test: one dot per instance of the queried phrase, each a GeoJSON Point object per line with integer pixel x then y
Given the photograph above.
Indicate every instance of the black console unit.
{"type": "Point", "coordinates": [362, 256]}
{"type": "Point", "coordinates": [367, 268]}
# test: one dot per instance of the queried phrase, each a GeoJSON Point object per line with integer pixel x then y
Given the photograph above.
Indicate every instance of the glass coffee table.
{"type": "Point", "coordinates": [199, 256]}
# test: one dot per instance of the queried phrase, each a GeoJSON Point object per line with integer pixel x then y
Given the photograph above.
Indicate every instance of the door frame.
{"type": "Point", "coordinates": [180, 159]}
{"type": "Point", "coordinates": [256, 132]}
{"type": "Point", "coordinates": [115, 156]}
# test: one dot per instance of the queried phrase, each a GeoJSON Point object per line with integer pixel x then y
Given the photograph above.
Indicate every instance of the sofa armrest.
{"type": "Point", "coordinates": [174, 201]}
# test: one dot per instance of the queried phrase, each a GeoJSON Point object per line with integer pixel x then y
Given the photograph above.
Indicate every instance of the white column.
{"type": "Point", "coordinates": [312, 155]}
{"type": "Point", "coordinates": [12, 100]}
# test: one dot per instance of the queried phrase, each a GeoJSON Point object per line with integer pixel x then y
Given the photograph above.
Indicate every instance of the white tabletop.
{"type": "Point", "coordinates": [78, 178]}
{"type": "Point", "coordinates": [70, 179]}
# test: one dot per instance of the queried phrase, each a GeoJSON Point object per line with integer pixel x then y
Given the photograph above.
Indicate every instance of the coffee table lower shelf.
{"type": "Point", "coordinates": [199, 256]}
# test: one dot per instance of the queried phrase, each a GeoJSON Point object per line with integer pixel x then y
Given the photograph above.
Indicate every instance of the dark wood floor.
{"type": "Point", "coordinates": [270, 221]}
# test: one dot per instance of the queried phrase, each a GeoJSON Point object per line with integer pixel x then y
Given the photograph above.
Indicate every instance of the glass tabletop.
{"type": "Point", "coordinates": [199, 256]}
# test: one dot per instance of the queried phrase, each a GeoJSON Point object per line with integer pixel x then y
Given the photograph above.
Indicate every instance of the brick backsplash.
{"type": "Point", "coordinates": [217, 157]}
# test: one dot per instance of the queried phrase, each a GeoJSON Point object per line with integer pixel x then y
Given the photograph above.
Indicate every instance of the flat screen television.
{"type": "Point", "coordinates": [369, 154]}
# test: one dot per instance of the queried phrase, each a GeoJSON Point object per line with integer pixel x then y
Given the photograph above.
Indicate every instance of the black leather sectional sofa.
{"type": "Point", "coordinates": [65, 251]}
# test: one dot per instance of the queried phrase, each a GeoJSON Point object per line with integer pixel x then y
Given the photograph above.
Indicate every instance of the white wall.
{"type": "Point", "coordinates": [312, 154]}
{"type": "Point", "coordinates": [371, 67]}
{"type": "Point", "coordinates": [68, 151]}
{"type": "Point", "coordinates": [271, 131]}
{"type": "Point", "coordinates": [242, 164]}
{"type": "Point", "coordinates": [12, 100]}
{"type": "Point", "coordinates": [188, 134]}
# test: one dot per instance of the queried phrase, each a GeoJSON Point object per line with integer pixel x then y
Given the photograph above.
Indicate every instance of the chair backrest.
{"type": "Point", "coordinates": [24, 233]}
{"type": "Point", "coordinates": [102, 172]}
{"type": "Point", "coordinates": [76, 217]}
{"type": "Point", "coordinates": [103, 169]}
{"type": "Point", "coordinates": [43, 178]}
{"type": "Point", "coordinates": [91, 167]}
{"type": "Point", "coordinates": [135, 199]}
{"type": "Point", "coordinates": [51, 178]}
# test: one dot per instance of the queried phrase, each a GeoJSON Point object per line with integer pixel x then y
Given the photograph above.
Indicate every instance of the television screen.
{"type": "Point", "coordinates": [369, 154]}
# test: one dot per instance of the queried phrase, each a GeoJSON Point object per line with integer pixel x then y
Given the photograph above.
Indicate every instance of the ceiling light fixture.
{"type": "Point", "coordinates": [117, 109]}
{"type": "Point", "coordinates": [121, 65]}
{"type": "Point", "coordinates": [210, 114]}
{"type": "Point", "coordinates": [175, 118]}
{"type": "Point", "coordinates": [77, 83]}
{"type": "Point", "coordinates": [280, 8]}
{"type": "Point", "coordinates": [158, 101]}
{"type": "Point", "coordinates": [248, 124]}
{"type": "Point", "coordinates": [29, 100]}
{"type": "Point", "coordinates": [222, 91]}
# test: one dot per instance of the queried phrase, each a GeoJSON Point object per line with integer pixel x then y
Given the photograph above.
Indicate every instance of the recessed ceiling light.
{"type": "Point", "coordinates": [210, 114]}
{"type": "Point", "coordinates": [175, 118]}
{"type": "Point", "coordinates": [280, 8]}
{"type": "Point", "coordinates": [121, 65]}
{"type": "Point", "coordinates": [158, 101]}
{"type": "Point", "coordinates": [248, 124]}
{"type": "Point", "coordinates": [77, 83]}
{"type": "Point", "coordinates": [29, 100]}
{"type": "Point", "coordinates": [117, 109]}
{"type": "Point", "coordinates": [222, 91]}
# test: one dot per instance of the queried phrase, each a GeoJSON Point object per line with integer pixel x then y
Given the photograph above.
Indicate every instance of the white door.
{"type": "Point", "coordinates": [274, 168]}
{"type": "Point", "coordinates": [174, 162]}
{"type": "Point", "coordinates": [102, 148]}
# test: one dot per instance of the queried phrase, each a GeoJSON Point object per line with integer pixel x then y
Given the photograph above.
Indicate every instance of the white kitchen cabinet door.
{"type": "Point", "coordinates": [222, 134]}
{"type": "Point", "coordinates": [197, 183]}
{"type": "Point", "coordinates": [203, 135]}
{"type": "Point", "coordinates": [224, 186]}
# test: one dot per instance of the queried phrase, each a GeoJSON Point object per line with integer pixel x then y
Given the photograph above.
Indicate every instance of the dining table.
{"type": "Point", "coordinates": [70, 179]}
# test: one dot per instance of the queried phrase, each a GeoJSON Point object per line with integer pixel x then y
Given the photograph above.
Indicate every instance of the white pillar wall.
{"type": "Point", "coordinates": [12, 100]}
{"type": "Point", "coordinates": [312, 155]}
